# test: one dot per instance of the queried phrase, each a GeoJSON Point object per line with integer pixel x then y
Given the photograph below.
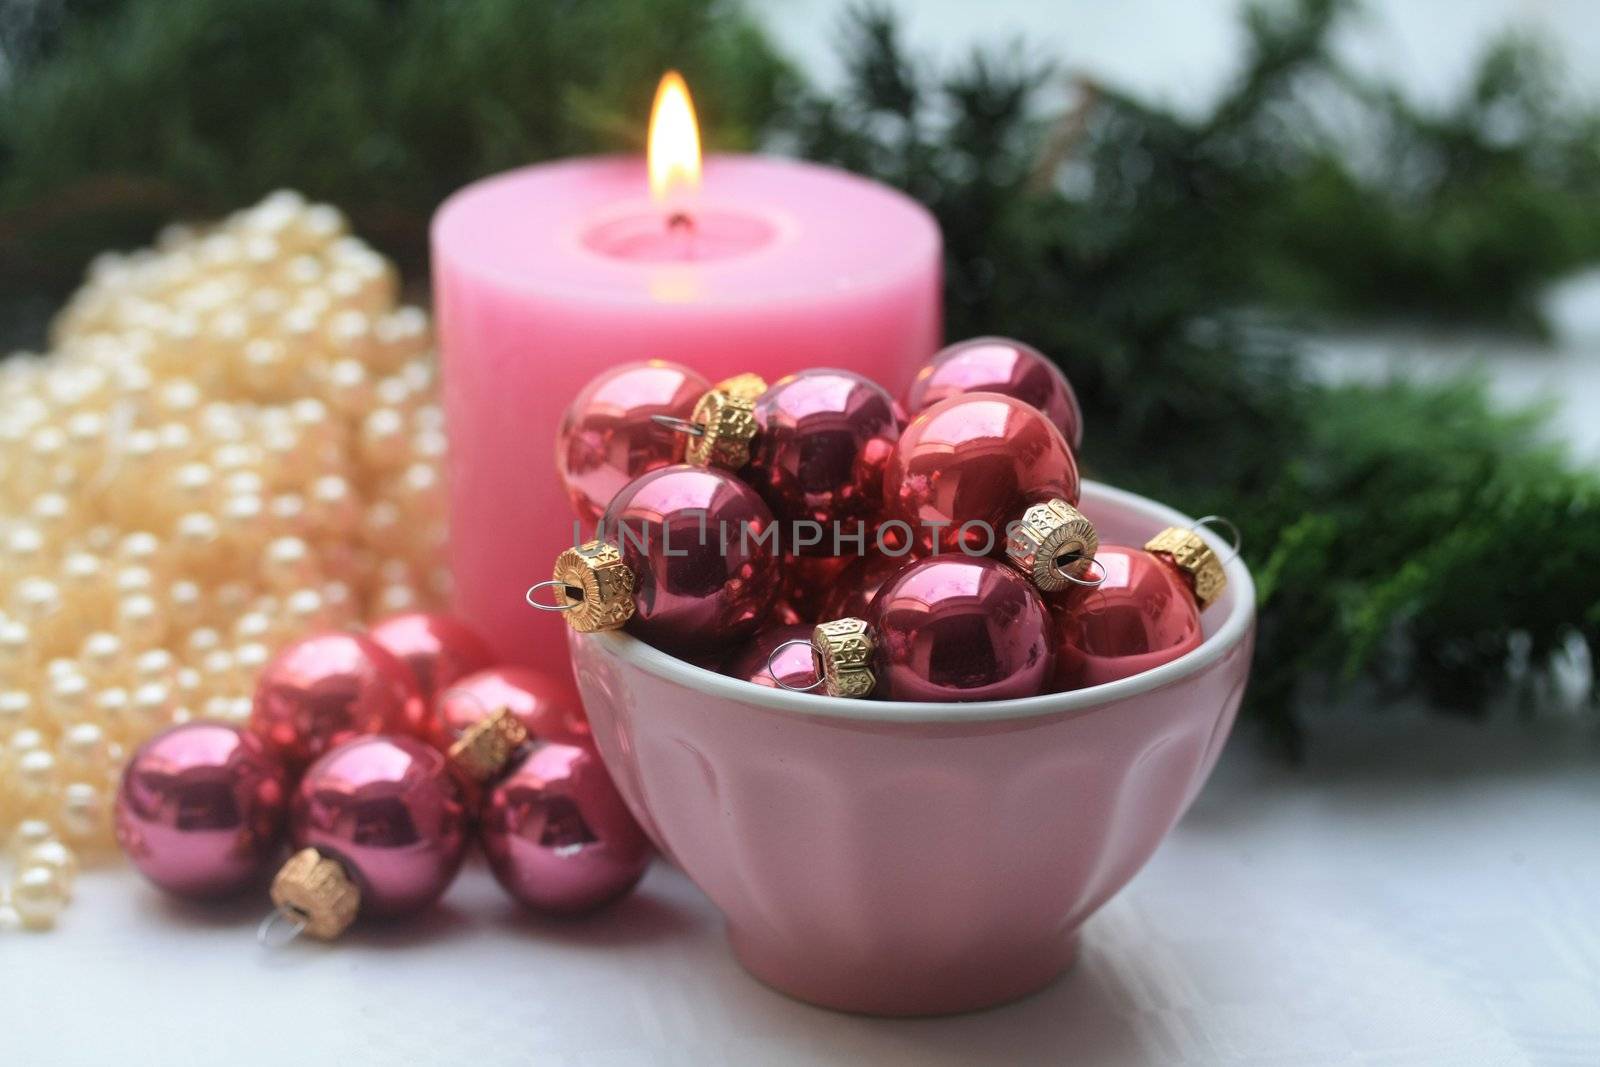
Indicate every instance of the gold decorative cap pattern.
{"type": "Point", "coordinates": [485, 746]}
{"type": "Point", "coordinates": [594, 586]}
{"type": "Point", "coordinates": [1190, 553]}
{"type": "Point", "coordinates": [315, 888]}
{"type": "Point", "coordinates": [748, 386]}
{"type": "Point", "coordinates": [1053, 542]}
{"type": "Point", "coordinates": [844, 647]}
{"type": "Point", "coordinates": [726, 424]}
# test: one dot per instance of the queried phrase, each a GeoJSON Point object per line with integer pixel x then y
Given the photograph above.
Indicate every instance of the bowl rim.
{"type": "Point", "coordinates": [1232, 630]}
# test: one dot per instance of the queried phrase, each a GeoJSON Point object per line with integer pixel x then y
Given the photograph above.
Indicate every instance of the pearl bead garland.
{"type": "Point", "coordinates": [235, 440]}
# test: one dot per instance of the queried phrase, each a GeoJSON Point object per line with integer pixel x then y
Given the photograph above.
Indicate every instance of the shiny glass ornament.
{"type": "Point", "coordinates": [543, 703]}
{"type": "Point", "coordinates": [698, 544]}
{"type": "Point", "coordinates": [781, 652]}
{"type": "Point", "coordinates": [968, 467]}
{"type": "Point", "coordinates": [557, 834]}
{"type": "Point", "coordinates": [950, 628]}
{"type": "Point", "coordinates": [822, 439]}
{"type": "Point", "coordinates": [200, 811]}
{"type": "Point", "coordinates": [999, 365]}
{"type": "Point", "coordinates": [325, 689]}
{"type": "Point", "coordinates": [608, 436]}
{"type": "Point", "coordinates": [392, 813]}
{"type": "Point", "coordinates": [440, 649]}
{"type": "Point", "coordinates": [958, 628]}
{"type": "Point", "coordinates": [1142, 615]}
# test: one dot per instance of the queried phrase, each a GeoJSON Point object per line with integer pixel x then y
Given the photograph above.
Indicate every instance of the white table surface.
{"type": "Point", "coordinates": [1417, 894]}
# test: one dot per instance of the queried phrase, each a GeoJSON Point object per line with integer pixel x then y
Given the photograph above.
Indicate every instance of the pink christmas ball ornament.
{"type": "Point", "coordinates": [200, 810]}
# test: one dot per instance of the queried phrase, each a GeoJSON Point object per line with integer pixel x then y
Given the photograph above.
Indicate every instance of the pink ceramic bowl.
{"type": "Point", "coordinates": [910, 859]}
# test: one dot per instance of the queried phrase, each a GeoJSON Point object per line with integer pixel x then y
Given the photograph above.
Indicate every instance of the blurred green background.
{"type": "Point", "coordinates": [1414, 540]}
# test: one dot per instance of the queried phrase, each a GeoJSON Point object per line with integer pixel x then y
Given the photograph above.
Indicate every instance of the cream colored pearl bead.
{"type": "Point", "coordinates": [248, 659]}
{"type": "Point", "coordinates": [67, 698]}
{"type": "Point", "coordinates": [16, 712]}
{"type": "Point", "coordinates": [81, 573]}
{"type": "Point", "coordinates": [131, 580]}
{"type": "Point", "coordinates": [140, 548]}
{"type": "Point", "coordinates": [35, 780]}
{"type": "Point", "coordinates": [38, 896]}
{"type": "Point", "coordinates": [202, 640]}
{"type": "Point", "coordinates": [83, 749]}
{"type": "Point", "coordinates": [29, 739]}
{"type": "Point", "coordinates": [393, 599]}
{"type": "Point", "coordinates": [16, 648]}
{"type": "Point", "coordinates": [186, 682]}
{"type": "Point", "coordinates": [55, 856]}
{"type": "Point", "coordinates": [111, 710]}
{"type": "Point", "coordinates": [140, 621]}
{"type": "Point", "coordinates": [101, 655]}
{"type": "Point", "coordinates": [29, 834]}
{"type": "Point", "coordinates": [186, 603]}
{"type": "Point", "coordinates": [85, 815]}
{"type": "Point", "coordinates": [219, 708]}
{"type": "Point", "coordinates": [151, 707]}
{"type": "Point", "coordinates": [287, 563]}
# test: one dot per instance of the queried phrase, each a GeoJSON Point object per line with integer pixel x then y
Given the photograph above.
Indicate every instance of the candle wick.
{"type": "Point", "coordinates": [680, 224]}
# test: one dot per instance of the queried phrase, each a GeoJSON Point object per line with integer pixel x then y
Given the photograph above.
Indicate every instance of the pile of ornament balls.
{"type": "Point", "coordinates": [370, 763]}
{"type": "Point", "coordinates": [839, 546]}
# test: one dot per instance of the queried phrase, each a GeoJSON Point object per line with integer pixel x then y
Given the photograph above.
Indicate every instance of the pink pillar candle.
{"type": "Point", "coordinates": [545, 276]}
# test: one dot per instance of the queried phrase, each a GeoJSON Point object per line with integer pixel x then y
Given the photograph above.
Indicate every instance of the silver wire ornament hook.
{"type": "Point", "coordinates": [677, 425]}
{"type": "Point", "coordinates": [547, 584]}
{"type": "Point", "coordinates": [1088, 583]}
{"type": "Point", "coordinates": [291, 921]}
{"type": "Point", "coordinates": [1227, 525]}
{"type": "Point", "coordinates": [1066, 570]}
{"type": "Point", "coordinates": [779, 681]}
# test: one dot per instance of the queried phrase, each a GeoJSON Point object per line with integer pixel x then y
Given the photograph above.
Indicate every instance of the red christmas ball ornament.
{"type": "Point", "coordinates": [814, 445]}
{"type": "Point", "coordinates": [823, 438]}
{"type": "Point", "coordinates": [969, 467]}
{"type": "Point", "coordinates": [200, 811]}
{"type": "Point", "coordinates": [323, 690]}
{"type": "Point", "coordinates": [951, 628]}
{"type": "Point", "coordinates": [439, 649]}
{"type": "Point", "coordinates": [782, 652]}
{"type": "Point", "coordinates": [610, 434]}
{"type": "Point", "coordinates": [543, 705]}
{"type": "Point", "coordinates": [684, 560]}
{"type": "Point", "coordinates": [380, 825]}
{"type": "Point", "coordinates": [1145, 611]}
{"type": "Point", "coordinates": [557, 834]}
{"type": "Point", "coordinates": [999, 365]}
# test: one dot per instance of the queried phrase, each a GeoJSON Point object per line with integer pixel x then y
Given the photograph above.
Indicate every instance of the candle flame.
{"type": "Point", "coordinates": [674, 140]}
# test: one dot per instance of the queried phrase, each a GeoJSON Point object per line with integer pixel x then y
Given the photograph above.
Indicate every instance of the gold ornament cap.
{"type": "Point", "coordinates": [724, 423]}
{"type": "Point", "coordinates": [748, 386]}
{"type": "Point", "coordinates": [844, 647]}
{"type": "Point", "coordinates": [488, 744]}
{"type": "Point", "coordinates": [315, 889]}
{"type": "Point", "coordinates": [1189, 552]}
{"type": "Point", "coordinates": [1052, 544]}
{"type": "Point", "coordinates": [594, 587]}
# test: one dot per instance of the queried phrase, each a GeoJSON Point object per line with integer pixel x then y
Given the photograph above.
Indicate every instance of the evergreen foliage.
{"type": "Point", "coordinates": [1402, 532]}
